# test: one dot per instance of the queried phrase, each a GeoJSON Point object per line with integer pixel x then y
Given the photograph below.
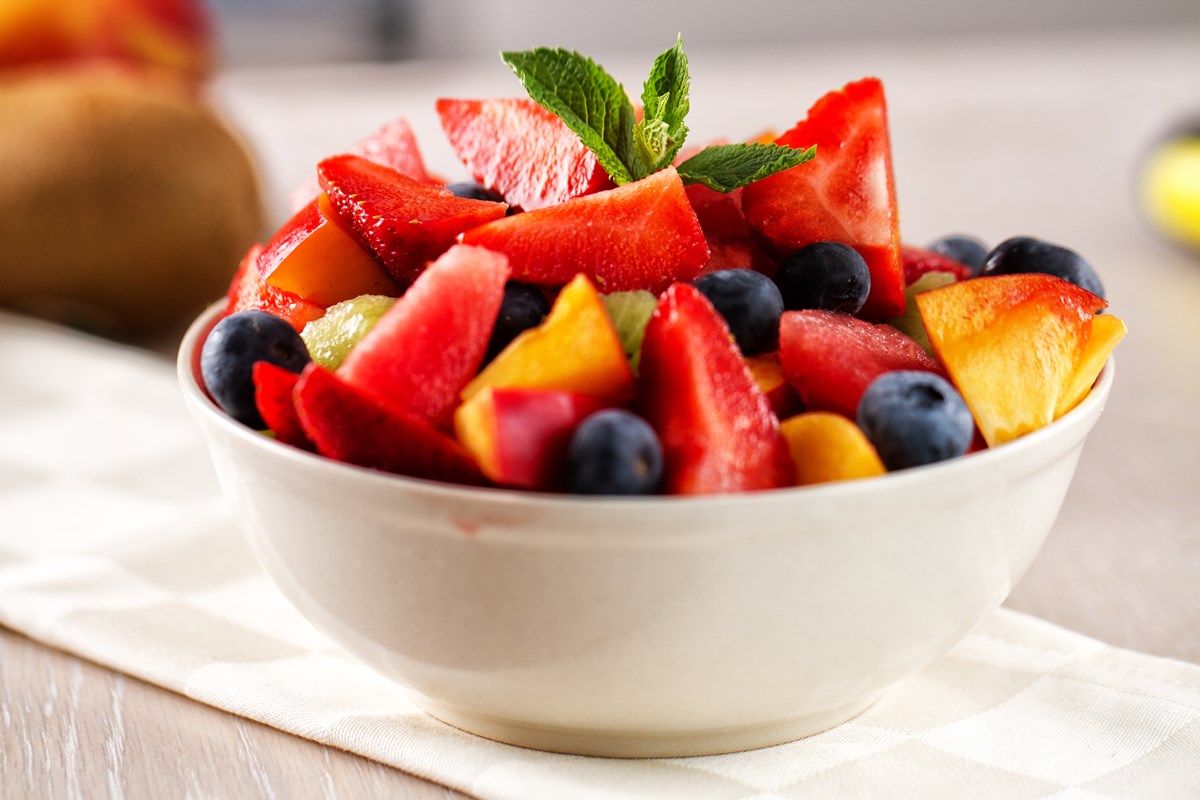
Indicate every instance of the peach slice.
{"type": "Point", "coordinates": [519, 437]}
{"type": "Point", "coordinates": [575, 349]}
{"type": "Point", "coordinates": [1022, 349]}
{"type": "Point", "coordinates": [315, 256]}
{"type": "Point", "coordinates": [828, 447]}
{"type": "Point", "coordinates": [767, 369]}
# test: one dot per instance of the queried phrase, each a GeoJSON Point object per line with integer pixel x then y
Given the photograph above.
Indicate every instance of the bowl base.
{"type": "Point", "coordinates": [643, 744]}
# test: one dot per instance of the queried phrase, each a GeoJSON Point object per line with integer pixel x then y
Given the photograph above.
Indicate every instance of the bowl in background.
{"type": "Point", "coordinates": [661, 626]}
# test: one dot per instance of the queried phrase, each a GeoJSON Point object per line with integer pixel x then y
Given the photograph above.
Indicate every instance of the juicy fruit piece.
{"type": "Point", "coordinates": [315, 256]}
{"type": "Point", "coordinates": [717, 429]}
{"type": "Point", "coordinates": [846, 194]}
{"type": "Point", "coordinates": [575, 349]}
{"type": "Point", "coordinates": [352, 426]}
{"type": "Point", "coordinates": [1026, 254]}
{"type": "Point", "coordinates": [643, 235]}
{"type": "Point", "coordinates": [909, 323]}
{"type": "Point", "coordinates": [234, 346]}
{"type": "Point", "coordinates": [614, 453]}
{"type": "Point", "coordinates": [331, 338]}
{"type": "Point", "coordinates": [1022, 349]}
{"type": "Point", "coordinates": [273, 390]}
{"type": "Point", "coordinates": [425, 348]}
{"type": "Point", "coordinates": [1169, 185]}
{"type": "Point", "coordinates": [918, 262]}
{"type": "Point", "coordinates": [827, 447]}
{"type": "Point", "coordinates": [521, 150]}
{"type": "Point", "coordinates": [830, 358]}
{"type": "Point", "coordinates": [523, 307]}
{"type": "Point", "coordinates": [731, 243]}
{"type": "Point", "coordinates": [404, 222]}
{"type": "Point", "coordinates": [915, 418]}
{"type": "Point", "coordinates": [630, 312]}
{"type": "Point", "coordinates": [966, 250]}
{"type": "Point", "coordinates": [248, 291]}
{"type": "Point", "coordinates": [828, 275]}
{"type": "Point", "coordinates": [394, 145]}
{"type": "Point", "coordinates": [519, 437]}
{"type": "Point", "coordinates": [767, 370]}
{"type": "Point", "coordinates": [750, 304]}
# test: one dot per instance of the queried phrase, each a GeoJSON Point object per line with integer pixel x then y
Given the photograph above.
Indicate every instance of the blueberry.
{"type": "Point", "coordinates": [475, 191]}
{"type": "Point", "coordinates": [914, 418]}
{"type": "Point", "coordinates": [1026, 254]}
{"type": "Point", "coordinates": [749, 302]}
{"type": "Point", "coordinates": [963, 249]}
{"type": "Point", "coordinates": [523, 307]}
{"type": "Point", "coordinates": [230, 352]}
{"type": "Point", "coordinates": [828, 275]}
{"type": "Point", "coordinates": [614, 452]}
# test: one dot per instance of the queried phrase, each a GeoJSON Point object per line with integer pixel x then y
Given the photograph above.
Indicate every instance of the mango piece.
{"type": "Point", "coordinates": [827, 447]}
{"type": "Point", "coordinates": [575, 349]}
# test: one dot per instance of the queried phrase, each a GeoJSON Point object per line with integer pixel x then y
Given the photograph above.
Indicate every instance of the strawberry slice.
{"type": "Point", "coordinates": [521, 150]}
{"type": "Point", "coordinates": [394, 145]}
{"type": "Point", "coordinates": [830, 358]}
{"type": "Point", "coordinates": [717, 428]}
{"type": "Point", "coordinates": [643, 235]}
{"type": "Point", "coordinates": [249, 291]}
{"type": "Point", "coordinates": [918, 261]}
{"type": "Point", "coordinates": [427, 346]}
{"type": "Point", "coordinates": [273, 387]}
{"type": "Point", "coordinates": [349, 425]}
{"type": "Point", "coordinates": [404, 222]}
{"type": "Point", "coordinates": [846, 194]}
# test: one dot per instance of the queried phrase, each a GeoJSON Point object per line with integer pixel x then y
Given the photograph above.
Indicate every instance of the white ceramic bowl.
{"type": "Point", "coordinates": [651, 626]}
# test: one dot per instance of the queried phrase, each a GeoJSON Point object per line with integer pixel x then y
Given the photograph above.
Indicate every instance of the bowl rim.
{"type": "Point", "coordinates": [201, 402]}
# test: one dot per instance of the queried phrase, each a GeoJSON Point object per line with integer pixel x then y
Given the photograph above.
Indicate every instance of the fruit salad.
{"type": "Point", "coordinates": [602, 310]}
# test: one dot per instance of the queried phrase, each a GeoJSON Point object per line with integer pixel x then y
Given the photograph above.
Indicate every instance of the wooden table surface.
{"type": "Point", "coordinates": [993, 137]}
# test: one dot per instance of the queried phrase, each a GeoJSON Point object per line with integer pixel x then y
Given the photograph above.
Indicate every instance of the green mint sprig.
{"type": "Point", "coordinates": [595, 106]}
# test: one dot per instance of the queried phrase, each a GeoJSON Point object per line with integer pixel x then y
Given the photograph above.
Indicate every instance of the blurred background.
{"type": "Point", "coordinates": [254, 32]}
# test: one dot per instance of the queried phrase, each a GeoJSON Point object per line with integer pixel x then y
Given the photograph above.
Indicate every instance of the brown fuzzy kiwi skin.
{"type": "Point", "coordinates": [125, 202]}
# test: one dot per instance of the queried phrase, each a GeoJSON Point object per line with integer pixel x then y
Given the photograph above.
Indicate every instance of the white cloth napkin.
{"type": "Point", "coordinates": [115, 544]}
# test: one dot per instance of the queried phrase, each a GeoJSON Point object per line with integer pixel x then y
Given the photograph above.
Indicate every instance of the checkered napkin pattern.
{"type": "Point", "coordinates": [115, 544]}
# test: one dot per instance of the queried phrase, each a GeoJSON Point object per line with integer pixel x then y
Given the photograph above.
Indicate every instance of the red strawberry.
{"type": "Point", "coordinates": [349, 425]}
{"type": "Point", "coordinates": [643, 235]}
{"type": "Point", "coordinates": [521, 150]}
{"type": "Point", "coordinates": [273, 387]}
{"type": "Point", "coordinates": [428, 345]}
{"type": "Point", "coordinates": [830, 358]}
{"type": "Point", "coordinates": [405, 223]}
{"type": "Point", "coordinates": [394, 145]}
{"type": "Point", "coordinates": [917, 262]}
{"type": "Point", "coordinates": [717, 428]}
{"type": "Point", "coordinates": [846, 194]}
{"type": "Point", "coordinates": [248, 291]}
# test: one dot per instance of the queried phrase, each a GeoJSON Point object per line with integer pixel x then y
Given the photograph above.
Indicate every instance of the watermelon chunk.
{"type": "Point", "coordinates": [394, 145]}
{"type": "Point", "coordinates": [521, 150]}
{"type": "Point", "coordinates": [846, 194]}
{"type": "Point", "coordinates": [350, 425]}
{"type": "Point", "coordinates": [430, 343]}
{"type": "Point", "coordinates": [404, 222]}
{"type": "Point", "coordinates": [830, 358]}
{"type": "Point", "coordinates": [717, 428]}
{"type": "Point", "coordinates": [643, 235]}
{"type": "Point", "coordinates": [249, 291]}
{"type": "Point", "coordinates": [918, 261]}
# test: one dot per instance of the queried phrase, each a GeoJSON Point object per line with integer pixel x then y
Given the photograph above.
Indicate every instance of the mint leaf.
{"type": "Point", "coordinates": [587, 99]}
{"type": "Point", "coordinates": [725, 167]}
{"type": "Point", "coordinates": [664, 105]}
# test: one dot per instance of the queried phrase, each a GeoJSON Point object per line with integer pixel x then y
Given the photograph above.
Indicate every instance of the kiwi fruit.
{"type": "Point", "coordinates": [125, 202]}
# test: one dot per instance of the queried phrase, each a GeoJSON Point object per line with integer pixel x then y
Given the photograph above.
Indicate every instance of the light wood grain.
{"type": "Point", "coordinates": [995, 137]}
{"type": "Point", "coordinates": [71, 729]}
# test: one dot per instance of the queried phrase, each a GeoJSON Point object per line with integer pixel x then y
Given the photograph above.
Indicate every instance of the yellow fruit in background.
{"type": "Point", "coordinates": [1170, 188]}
